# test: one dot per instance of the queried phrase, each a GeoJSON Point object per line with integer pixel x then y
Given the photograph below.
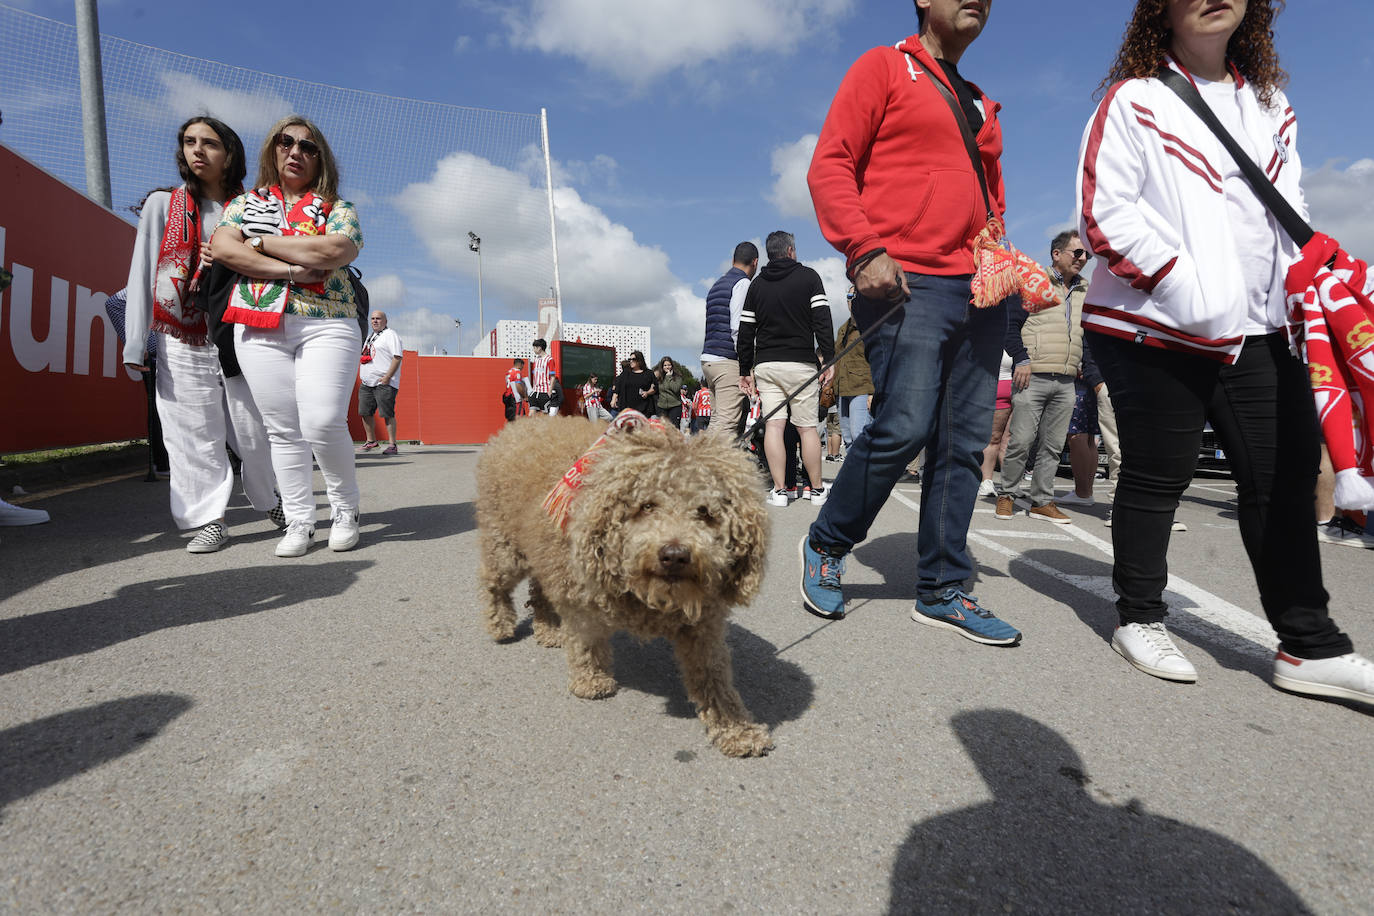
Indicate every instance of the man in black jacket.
{"type": "Point", "coordinates": [786, 320]}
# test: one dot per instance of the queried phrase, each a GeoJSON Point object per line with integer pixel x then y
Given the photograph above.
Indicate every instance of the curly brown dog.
{"type": "Point", "coordinates": [663, 537]}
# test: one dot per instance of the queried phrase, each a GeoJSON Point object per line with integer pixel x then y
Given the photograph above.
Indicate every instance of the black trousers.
{"type": "Point", "coordinates": [1263, 413]}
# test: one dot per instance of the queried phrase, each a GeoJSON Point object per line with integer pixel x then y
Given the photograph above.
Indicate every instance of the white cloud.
{"type": "Point", "coordinates": [428, 332]}
{"type": "Point", "coordinates": [607, 275]}
{"type": "Point", "coordinates": [1341, 203]}
{"type": "Point", "coordinates": [249, 113]}
{"type": "Point", "coordinates": [790, 194]}
{"type": "Point", "coordinates": [641, 40]}
{"type": "Point", "coordinates": [386, 292]}
{"type": "Point", "coordinates": [836, 286]}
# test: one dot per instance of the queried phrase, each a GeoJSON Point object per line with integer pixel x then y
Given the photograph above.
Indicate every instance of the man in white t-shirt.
{"type": "Point", "coordinates": [379, 375]}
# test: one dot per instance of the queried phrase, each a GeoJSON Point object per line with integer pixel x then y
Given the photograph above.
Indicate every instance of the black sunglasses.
{"type": "Point", "coordinates": [1079, 254]}
{"type": "Point", "coordinates": [308, 146]}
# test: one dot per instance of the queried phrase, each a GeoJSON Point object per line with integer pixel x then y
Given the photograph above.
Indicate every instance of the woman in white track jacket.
{"type": "Point", "coordinates": [1187, 315]}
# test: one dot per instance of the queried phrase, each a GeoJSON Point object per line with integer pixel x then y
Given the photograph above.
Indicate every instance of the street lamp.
{"type": "Point", "coordinates": [475, 244]}
{"type": "Point", "coordinates": [458, 322]}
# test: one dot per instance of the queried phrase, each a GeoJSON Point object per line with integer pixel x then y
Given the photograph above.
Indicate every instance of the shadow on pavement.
{"type": "Point", "coordinates": [892, 556]}
{"type": "Point", "coordinates": [774, 690]}
{"type": "Point", "coordinates": [1046, 844]}
{"type": "Point", "coordinates": [145, 607]}
{"type": "Point", "coordinates": [419, 523]}
{"type": "Point", "coordinates": [40, 754]}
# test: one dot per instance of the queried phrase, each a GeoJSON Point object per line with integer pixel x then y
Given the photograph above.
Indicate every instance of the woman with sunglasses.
{"type": "Point", "coordinates": [199, 406]}
{"type": "Point", "coordinates": [636, 388]}
{"type": "Point", "coordinates": [297, 338]}
{"type": "Point", "coordinates": [1186, 314]}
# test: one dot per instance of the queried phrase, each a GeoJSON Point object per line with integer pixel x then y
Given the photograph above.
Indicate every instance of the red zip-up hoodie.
{"type": "Point", "coordinates": [890, 168]}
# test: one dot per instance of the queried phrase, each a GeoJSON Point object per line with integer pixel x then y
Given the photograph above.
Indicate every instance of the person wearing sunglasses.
{"type": "Point", "coordinates": [291, 240]}
{"type": "Point", "coordinates": [1047, 351]}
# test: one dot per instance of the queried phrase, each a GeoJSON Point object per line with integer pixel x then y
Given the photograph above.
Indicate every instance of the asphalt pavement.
{"type": "Point", "coordinates": [238, 732]}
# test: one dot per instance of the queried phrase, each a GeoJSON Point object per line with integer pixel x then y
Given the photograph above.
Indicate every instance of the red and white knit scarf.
{"type": "Point", "coordinates": [178, 273]}
{"type": "Point", "coordinates": [261, 303]}
{"type": "Point", "coordinates": [1330, 309]}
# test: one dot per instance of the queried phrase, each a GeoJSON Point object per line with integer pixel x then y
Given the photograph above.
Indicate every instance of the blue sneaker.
{"type": "Point", "coordinates": [820, 582]}
{"type": "Point", "coordinates": [959, 611]}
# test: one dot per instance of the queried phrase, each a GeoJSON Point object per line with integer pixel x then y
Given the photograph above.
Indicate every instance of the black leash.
{"type": "Point", "coordinates": [749, 432]}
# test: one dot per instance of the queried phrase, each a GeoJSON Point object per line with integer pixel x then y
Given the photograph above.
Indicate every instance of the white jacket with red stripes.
{"type": "Point", "coordinates": [1151, 208]}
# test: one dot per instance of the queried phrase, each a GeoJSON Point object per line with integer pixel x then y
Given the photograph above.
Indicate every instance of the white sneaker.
{"type": "Point", "coordinates": [1349, 677]}
{"type": "Point", "coordinates": [1343, 531]}
{"type": "Point", "coordinates": [297, 539]}
{"type": "Point", "coordinates": [1148, 647]}
{"type": "Point", "coordinates": [987, 488]}
{"type": "Point", "coordinates": [343, 530]}
{"type": "Point", "coordinates": [1178, 526]}
{"type": "Point", "coordinates": [818, 497]}
{"type": "Point", "coordinates": [12, 516]}
{"type": "Point", "coordinates": [777, 498]}
{"type": "Point", "coordinates": [1073, 499]}
{"type": "Point", "coordinates": [210, 538]}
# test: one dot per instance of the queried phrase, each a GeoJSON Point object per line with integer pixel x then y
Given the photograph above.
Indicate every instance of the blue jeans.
{"type": "Point", "coordinates": [854, 417]}
{"type": "Point", "coordinates": [935, 371]}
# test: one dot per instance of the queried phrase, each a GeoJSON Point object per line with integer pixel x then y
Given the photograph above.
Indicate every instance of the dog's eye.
{"type": "Point", "coordinates": [646, 508]}
{"type": "Point", "coordinates": [704, 513]}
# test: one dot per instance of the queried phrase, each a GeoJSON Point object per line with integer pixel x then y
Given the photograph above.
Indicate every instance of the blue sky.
{"type": "Point", "coordinates": [679, 129]}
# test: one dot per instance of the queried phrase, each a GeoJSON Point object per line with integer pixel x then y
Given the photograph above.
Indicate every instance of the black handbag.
{"type": "Point", "coordinates": [213, 297]}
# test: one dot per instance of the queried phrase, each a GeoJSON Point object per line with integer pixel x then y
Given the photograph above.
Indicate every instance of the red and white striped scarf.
{"type": "Point", "coordinates": [178, 274]}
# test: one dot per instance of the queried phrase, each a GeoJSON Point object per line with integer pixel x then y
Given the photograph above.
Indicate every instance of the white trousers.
{"type": "Point", "coordinates": [302, 374]}
{"type": "Point", "coordinates": [200, 411]}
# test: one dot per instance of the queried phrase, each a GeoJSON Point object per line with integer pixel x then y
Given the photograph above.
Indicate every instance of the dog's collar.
{"type": "Point", "coordinates": [558, 504]}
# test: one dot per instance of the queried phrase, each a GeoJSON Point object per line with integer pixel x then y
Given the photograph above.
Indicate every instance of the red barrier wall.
{"type": "Point", "coordinates": [60, 358]}
{"type": "Point", "coordinates": [445, 399]}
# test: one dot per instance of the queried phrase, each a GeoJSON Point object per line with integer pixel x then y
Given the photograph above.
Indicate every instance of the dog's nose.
{"type": "Point", "coordinates": [673, 559]}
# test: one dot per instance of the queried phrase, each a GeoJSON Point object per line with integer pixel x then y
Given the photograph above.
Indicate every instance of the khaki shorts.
{"type": "Point", "coordinates": [775, 381]}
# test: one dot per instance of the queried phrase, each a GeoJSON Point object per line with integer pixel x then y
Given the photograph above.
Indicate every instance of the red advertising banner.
{"type": "Point", "coordinates": [60, 358]}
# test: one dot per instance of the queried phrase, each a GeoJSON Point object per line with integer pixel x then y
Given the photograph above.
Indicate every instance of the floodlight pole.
{"type": "Point", "coordinates": [553, 232]}
{"type": "Point", "coordinates": [92, 103]}
{"type": "Point", "coordinates": [458, 322]}
{"type": "Point", "coordinates": [475, 244]}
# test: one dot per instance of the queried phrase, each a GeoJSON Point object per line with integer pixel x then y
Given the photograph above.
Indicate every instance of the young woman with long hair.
{"type": "Point", "coordinates": [200, 408]}
{"type": "Point", "coordinates": [1186, 313]}
{"type": "Point", "coordinates": [297, 339]}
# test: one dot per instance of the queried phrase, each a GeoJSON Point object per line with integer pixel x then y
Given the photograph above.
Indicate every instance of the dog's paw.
{"type": "Point", "coordinates": [593, 686]}
{"type": "Point", "coordinates": [748, 740]}
{"type": "Point", "coordinates": [547, 636]}
{"type": "Point", "coordinates": [501, 630]}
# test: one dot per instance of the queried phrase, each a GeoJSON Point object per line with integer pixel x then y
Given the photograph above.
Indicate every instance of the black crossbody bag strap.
{"type": "Point", "coordinates": [970, 144]}
{"type": "Point", "coordinates": [1296, 227]}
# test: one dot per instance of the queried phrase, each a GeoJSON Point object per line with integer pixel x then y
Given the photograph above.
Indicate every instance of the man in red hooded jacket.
{"type": "Point", "coordinates": [895, 190]}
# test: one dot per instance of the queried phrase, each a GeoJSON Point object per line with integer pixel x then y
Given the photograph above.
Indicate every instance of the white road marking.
{"type": "Point", "coordinates": [1024, 535]}
{"type": "Point", "coordinates": [1192, 609]}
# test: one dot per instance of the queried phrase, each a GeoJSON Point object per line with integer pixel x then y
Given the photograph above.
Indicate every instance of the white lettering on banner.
{"type": "Point", "coordinates": [50, 353]}
{"type": "Point", "coordinates": [90, 308]}
{"type": "Point", "coordinates": [32, 354]}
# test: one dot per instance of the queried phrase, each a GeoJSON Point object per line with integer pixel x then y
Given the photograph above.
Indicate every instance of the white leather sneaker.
{"type": "Point", "coordinates": [343, 530]}
{"type": "Point", "coordinates": [1349, 677]}
{"type": "Point", "coordinates": [297, 539]}
{"type": "Point", "coordinates": [1149, 648]}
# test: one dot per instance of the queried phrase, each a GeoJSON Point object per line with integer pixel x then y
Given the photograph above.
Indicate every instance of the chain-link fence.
{"type": "Point", "coordinates": [422, 174]}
